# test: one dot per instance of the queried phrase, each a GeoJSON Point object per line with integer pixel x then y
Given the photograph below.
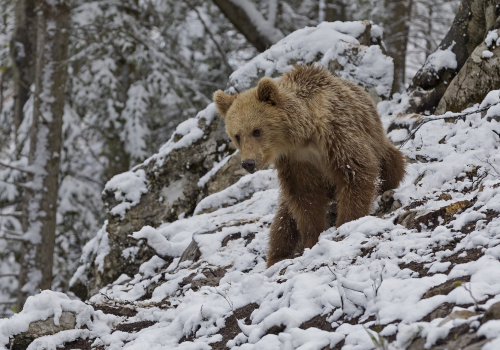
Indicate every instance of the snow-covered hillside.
{"type": "Point", "coordinates": [422, 272]}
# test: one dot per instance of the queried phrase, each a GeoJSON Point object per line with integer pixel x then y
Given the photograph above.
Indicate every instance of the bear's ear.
{"type": "Point", "coordinates": [268, 91]}
{"type": "Point", "coordinates": [223, 102]}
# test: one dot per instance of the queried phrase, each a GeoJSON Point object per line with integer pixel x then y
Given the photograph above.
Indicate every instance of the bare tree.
{"type": "Point", "coordinates": [23, 47]}
{"type": "Point", "coordinates": [396, 33]}
{"type": "Point", "coordinates": [40, 199]}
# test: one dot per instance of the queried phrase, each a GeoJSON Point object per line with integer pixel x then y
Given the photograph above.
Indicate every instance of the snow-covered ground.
{"type": "Point", "coordinates": [365, 280]}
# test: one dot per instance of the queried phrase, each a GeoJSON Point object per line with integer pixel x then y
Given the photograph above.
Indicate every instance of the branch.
{"type": "Point", "coordinates": [17, 233]}
{"type": "Point", "coordinates": [15, 215]}
{"type": "Point", "coordinates": [444, 116]}
{"type": "Point", "coordinates": [249, 21]}
{"type": "Point", "coordinates": [16, 184]}
{"type": "Point", "coordinates": [16, 168]}
{"type": "Point", "coordinates": [8, 275]}
{"type": "Point", "coordinates": [9, 238]}
{"type": "Point", "coordinates": [209, 32]}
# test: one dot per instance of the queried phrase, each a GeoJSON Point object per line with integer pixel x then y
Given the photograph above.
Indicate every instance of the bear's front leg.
{"type": "Point", "coordinates": [284, 236]}
{"type": "Point", "coordinates": [306, 194]}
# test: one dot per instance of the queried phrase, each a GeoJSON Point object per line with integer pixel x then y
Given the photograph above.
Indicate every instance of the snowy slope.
{"type": "Point", "coordinates": [367, 281]}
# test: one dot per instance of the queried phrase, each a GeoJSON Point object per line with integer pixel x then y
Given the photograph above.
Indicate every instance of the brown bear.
{"type": "Point", "coordinates": [327, 143]}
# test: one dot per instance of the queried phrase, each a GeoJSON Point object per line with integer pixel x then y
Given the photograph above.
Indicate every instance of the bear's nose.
{"type": "Point", "coordinates": [248, 165]}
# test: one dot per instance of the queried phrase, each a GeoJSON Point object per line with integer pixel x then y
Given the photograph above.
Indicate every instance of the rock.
{"type": "Point", "coordinates": [191, 253]}
{"type": "Point", "coordinates": [213, 276]}
{"type": "Point", "coordinates": [479, 75]}
{"type": "Point", "coordinates": [387, 203]}
{"type": "Point", "coordinates": [493, 313]}
{"type": "Point", "coordinates": [444, 197]}
{"type": "Point", "coordinates": [446, 287]}
{"type": "Point", "coordinates": [42, 328]}
{"type": "Point", "coordinates": [459, 314]}
{"type": "Point", "coordinates": [415, 219]}
{"type": "Point", "coordinates": [405, 121]}
{"type": "Point", "coordinates": [460, 337]}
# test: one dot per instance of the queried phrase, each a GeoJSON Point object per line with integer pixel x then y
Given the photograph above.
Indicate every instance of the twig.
{"type": "Point", "coordinates": [14, 215]}
{"type": "Point", "coordinates": [8, 275]}
{"type": "Point", "coordinates": [16, 184]}
{"type": "Point", "coordinates": [8, 238]}
{"type": "Point", "coordinates": [15, 168]}
{"type": "Point", "coordinates": [228, 300]}
{"type": "Point", "coordinates": [210, 34]}
{"type": "Point", "coordinates": [487, 161]}
{"type": "Point", "coordinates": [16, 233]}
{"type": "Point", "coordinates": [445, 116]}
{"type": "Point", "coordinates": [476, 303]}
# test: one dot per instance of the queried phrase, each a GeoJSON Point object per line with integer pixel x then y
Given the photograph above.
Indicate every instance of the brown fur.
{"type": "Point", "coordinates": [326, 140]}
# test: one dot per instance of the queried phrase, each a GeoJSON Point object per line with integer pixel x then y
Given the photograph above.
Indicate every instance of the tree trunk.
{"type": "Point", "coordinates": [249, 21]}
{"type": "Point", "coordinates": [23, 51]}
{"type": "Point", "coordinates": [118, 159]}
{"type": "Point", "coordinates": [336, 10]}
{"type": "Point", "coordinates": [39, 222]}
{"type": "Point", "coordinates": [472, 22]}
{"type": "Point", "coordinates": [396, 31]}
{"type": "Point", "coordinates": [479, 75]}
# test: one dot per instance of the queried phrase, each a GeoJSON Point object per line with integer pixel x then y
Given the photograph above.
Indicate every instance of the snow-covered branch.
{"type": "Point", "coordinates": [245, 16]}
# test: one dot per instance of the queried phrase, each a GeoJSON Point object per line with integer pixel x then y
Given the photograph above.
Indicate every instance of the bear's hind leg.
{"type": "Point", "coordinates": [355, 197]}
{"type": "Point", "coordinates": [392, 169]}
{"type": "Point", "coordinates": [284, 236]}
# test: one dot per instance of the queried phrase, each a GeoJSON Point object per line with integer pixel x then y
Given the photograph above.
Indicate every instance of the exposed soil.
{"type": "Point", "coordinates": [134, 326]}
{"type": "Point", "coordinates": [82, 344]}
{"type": "Point", "coordinates": [232, 329]}
{"type": "Point", "coordinates": [117, 311]}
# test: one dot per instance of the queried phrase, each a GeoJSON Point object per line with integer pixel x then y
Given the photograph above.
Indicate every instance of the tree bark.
{"type": "Point", "coordinates": [396, 31]}
{"type": "Point", "coordinates": [472, 22]}
{"type": "Point", "coordinates": [249, 21]}
{"type": "Point", "coordinates": [23, 51]}
{"type": "Point", "coordinates": [479, 75]}
{"type": "Point", "coordinates": [39, 222]}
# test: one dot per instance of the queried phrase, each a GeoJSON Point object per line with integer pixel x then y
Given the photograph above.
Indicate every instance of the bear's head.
{"type": "Point", "coordinates": [256, 121]}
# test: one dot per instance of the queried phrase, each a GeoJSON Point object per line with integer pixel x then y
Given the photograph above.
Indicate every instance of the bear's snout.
{"type": "Point", "coordinates": [248, 165]}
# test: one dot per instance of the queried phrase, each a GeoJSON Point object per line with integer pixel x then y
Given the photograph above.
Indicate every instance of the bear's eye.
{"type": "Point", "coordinates": [256, 133]}
{"type": "Point", "coordinates": [237, 137]}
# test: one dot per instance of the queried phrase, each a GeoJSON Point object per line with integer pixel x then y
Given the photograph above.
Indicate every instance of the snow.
{"type": "Point", "coordinates": [492, 38]}
{"type": "Point", "coordinates": [217, 166]}
{"type": "Point", "coordinates": [188, 132]}
{"type": "Point", "coordinates": [330, 40]}
{"type": "Point", "coordinates": [487, 54]}
{"type": "Point", "coordinates": [128, 188]}
{"type": "Point", "coordinates": [97, 248]}
{"type": "Point", "coordinates": [441, 59]}
{"type": "Point", "coordinates": [39, 308]}
{"type": "Point", "coordinates": [263, 27]}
